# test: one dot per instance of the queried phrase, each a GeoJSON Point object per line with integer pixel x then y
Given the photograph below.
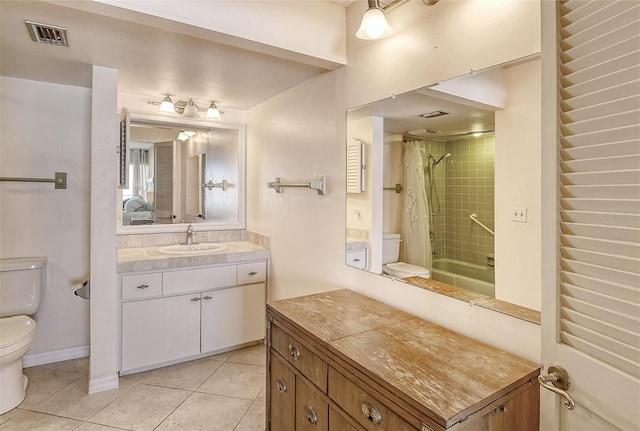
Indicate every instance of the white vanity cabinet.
{"type": "Point", "coordinates": [182, 314]}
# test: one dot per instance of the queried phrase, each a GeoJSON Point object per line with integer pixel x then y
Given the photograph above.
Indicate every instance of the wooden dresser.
{"type": "Point", "coordinates": [340, 361]}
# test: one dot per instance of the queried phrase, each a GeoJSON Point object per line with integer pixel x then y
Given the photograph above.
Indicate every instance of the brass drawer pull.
{"type": "Point", "coordinates": [294, 351]}
{"type": "Point", "coordinates": [371, 413]}
{"type": "Point", "coordinates": [311, 415]}
{"type": "Point", "coordinates": [143, 286]}
{"type": "Point", "coordinates": [281, 385]}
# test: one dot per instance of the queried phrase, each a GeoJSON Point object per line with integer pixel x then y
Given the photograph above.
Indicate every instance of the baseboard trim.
{"type": "Point", "coordinates": [55, 356]}
{"type": "Point", "coordinates": [103, 384]}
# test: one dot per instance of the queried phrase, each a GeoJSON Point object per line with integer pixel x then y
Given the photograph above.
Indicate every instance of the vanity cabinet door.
{"type": "Point", "coordinates": [312, 408]}
{"type": "Point", "coordinates": [233, 316]}
{"type": "Point", "coordinates": [160, 330]}
{"type": "Point", "coordinates": [283, 396]}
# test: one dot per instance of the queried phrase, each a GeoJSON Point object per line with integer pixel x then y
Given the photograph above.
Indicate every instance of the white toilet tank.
{"type": "Point", "coordinates": [22, 283]}
{"type": "Point", "coordinates": [390, 247]}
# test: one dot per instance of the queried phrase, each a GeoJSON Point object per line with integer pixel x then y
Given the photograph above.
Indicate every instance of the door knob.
{"type": "Point", "coordinates": [558, 381]}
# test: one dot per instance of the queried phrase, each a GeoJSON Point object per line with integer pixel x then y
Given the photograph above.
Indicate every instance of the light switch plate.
{"type": "Point", "coordinates": [519, 214]}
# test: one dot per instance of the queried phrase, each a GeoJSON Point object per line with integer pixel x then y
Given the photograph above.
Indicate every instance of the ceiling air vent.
{"type": "Point", "coordinates": [424, 132]}
{"type": "Point", "coordinates": [45, 33]}
{"type": "Point", "coordinates": [434, 114]}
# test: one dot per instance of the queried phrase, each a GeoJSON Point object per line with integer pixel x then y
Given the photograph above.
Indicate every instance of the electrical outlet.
{"type": "Point", "coordinates": [519, 214]}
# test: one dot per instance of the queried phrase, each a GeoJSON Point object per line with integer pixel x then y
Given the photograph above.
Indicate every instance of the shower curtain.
{"type": "Point", "coordinates": [416, 247]}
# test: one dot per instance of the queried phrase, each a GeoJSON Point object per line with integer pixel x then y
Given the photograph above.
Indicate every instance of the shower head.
{"type": "Point", "coordinates": [444, 156]}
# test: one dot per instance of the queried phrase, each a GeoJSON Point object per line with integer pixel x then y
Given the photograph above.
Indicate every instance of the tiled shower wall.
{"type": "Point", "coordinates": [465, 185]}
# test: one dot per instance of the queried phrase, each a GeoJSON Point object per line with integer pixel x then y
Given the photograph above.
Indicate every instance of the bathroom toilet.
{"type": "Point", "coordinates": [22, 283]}
{"type": "Point", "coordinates": [390, 264]}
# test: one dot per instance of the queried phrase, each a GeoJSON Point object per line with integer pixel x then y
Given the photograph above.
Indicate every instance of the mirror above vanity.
{"type": "Point", "coordinates": [182, 171]}
{"type": "Point", "coordinates": [423, 190]}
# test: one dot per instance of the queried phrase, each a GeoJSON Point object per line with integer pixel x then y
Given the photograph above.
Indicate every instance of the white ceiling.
{"type": "Point", "coordinates": [150, 61]}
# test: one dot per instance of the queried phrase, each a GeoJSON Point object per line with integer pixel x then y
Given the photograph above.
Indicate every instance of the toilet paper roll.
{"type": "Point", "coordinates": [82, 290]}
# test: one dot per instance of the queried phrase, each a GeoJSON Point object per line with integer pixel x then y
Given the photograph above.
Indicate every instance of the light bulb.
{"type": "Point", "coordinates": [183, 136]}
{"type": "Point", "coordinates": [191, 110]}
{"type": "Point", "coordinates": [374, 25]}
{"type": "Point", "coordinates": [167, 106]}
{"type": "Point", "coordinates": [213, 111]}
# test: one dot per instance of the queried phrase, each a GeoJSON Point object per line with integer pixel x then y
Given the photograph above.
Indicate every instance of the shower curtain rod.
{"type": "Point", "coordinates": [407, 136]}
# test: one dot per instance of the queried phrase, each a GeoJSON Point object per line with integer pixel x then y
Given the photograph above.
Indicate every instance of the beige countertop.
{"type": "Point", "coordinates": [149, 258]}
{"type": "Point", "coordinates": [357, 243]}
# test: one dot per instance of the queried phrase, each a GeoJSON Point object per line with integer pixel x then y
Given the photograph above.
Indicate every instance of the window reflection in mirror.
{"type": "Point", "coordinates": [184, 173]}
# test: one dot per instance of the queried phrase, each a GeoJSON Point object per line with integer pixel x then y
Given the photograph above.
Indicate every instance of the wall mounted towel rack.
{"type": "Point", "coordinates": [397, 188]}
{"type": "Point", "coordinates": [474, 217]}
{"type": "Point", "coordinates": [60, 180]}
{"type": "Point", "coordinates": [317, 184]}
{"type": "Point", "coordinates": [221, 185]}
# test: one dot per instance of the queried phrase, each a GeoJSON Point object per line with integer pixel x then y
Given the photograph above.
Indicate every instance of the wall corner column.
{"type": "Point", "coordinates": [103, 364]}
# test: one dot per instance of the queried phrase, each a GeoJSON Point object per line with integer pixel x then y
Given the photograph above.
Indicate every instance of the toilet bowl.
{"type": "Point", "coordinates": [22, 283]}
{"type": "Point", "coordinates": [391, 266]}
{"type": "Point", "coordinates": [16, 335]}
{"type": "Point", "coordinates": [405, 270]}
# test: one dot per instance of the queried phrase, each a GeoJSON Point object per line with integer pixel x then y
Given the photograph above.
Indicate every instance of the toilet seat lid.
{"type": "Point", "coordinates": [15, 329]}
{"type": "Point", "coordinates": [408, 268]}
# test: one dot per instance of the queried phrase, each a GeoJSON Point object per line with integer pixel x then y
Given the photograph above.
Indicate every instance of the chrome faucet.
{"type": "Point", "coordinates": [190, 235]}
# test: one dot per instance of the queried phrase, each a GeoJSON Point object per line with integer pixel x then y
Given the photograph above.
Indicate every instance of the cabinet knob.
{"type": "Point", "coordinates": [356, 260]}
{"type": "Point", "coordinates": [142, 286]}
{"type": "Point", "coordinates": [281, 385]}
{"type": "Point", "coordinates": [207, 298]}
{"type": "Point", "coordinates": [371, 413]}
{"type": "Point", "coordinates": [252, 273]}
{"type": "Point", "coordinates": [311, 415]}
{"type": "Point", "coordinates": [195, 299]}
{"type": "Point", "coordinates": [294, 351]}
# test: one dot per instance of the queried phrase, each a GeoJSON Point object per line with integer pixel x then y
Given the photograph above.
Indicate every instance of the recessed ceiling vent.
{"type": "Point", "coordinates": [434, 114]}
{"type": "Point", "coordinates": [45, 33]}
{"type": "Point", "coordinates": [424, 132]}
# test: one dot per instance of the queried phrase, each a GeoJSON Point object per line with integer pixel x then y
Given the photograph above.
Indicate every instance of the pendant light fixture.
{"type": "Point", "coordinates": [374, 24]}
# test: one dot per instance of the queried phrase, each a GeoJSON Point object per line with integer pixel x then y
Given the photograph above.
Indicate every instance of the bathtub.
{"type": "Point", "coordinates": [465, 275]}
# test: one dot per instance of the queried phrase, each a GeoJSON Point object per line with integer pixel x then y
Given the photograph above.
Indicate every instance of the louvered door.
{"type": "Point", "coordinates": [591, 296]}
{"type": "Point", "coordinates": [164, 182]}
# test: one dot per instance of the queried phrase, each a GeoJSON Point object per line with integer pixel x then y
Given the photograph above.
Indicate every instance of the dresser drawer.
{"type": "Point", "coordinates": [368, 411]}
{"type": "Point", "coordinates": [252, 273]}
{"type": "Point", "coordinates": [283, 394]}
{"type": "Point", "coordinates": [141, 285]}
{"type": "Point", "coordinates": [338, 423]}
{"type": "Point", "coordinates": [305, 361]}
{"type": "Point", "coordinates": [200, 279]}
{"type": "Point", "coordinates": [312, 408]}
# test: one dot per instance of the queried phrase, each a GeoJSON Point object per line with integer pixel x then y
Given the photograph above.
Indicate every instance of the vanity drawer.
{"type": "Point", "coordinates": [305, 361]}
{"type": "Point", "coordinates": [252, 272]}
{"type": "Point", "coordinates": [357, 258]}
{"type": "Point", "coordinates": [193, 280]}
{"type": "Point", "coordinates": [141, 285]}
{"type": "Point", "coordinates": [369, 412]}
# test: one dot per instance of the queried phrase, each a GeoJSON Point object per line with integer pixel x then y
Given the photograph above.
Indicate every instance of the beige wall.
{"type": "Point", "coordinates": [36, 140]}
{"type": "Point", "coordinates": [301, 133]}
{"type": "Point", "coordinates": [518, 184]}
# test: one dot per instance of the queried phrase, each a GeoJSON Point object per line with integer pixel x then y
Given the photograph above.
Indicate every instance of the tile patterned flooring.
{"type": "Point", "coordinates": [219, 393]}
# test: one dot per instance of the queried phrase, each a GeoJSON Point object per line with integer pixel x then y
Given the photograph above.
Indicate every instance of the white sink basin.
{"type": "Point", "coordinates": [202, 248]}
